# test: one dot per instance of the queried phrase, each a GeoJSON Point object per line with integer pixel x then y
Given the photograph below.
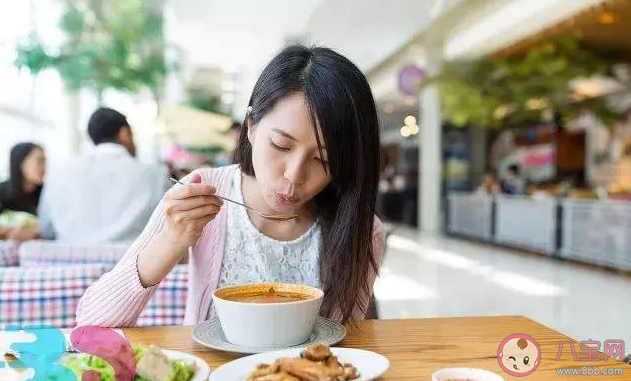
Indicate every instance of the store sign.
{"type": "Point", "coordinates": [410, 80]}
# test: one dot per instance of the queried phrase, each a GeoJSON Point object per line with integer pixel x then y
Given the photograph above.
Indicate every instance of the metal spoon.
{"type": "Point", "coordinates": [274, 217]}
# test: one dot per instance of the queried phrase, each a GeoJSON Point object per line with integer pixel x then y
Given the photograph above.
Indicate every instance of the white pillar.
{"type": "Point", "coordinates": [430, 137]}
{"type": "Point", "coordinates": [74, 127]}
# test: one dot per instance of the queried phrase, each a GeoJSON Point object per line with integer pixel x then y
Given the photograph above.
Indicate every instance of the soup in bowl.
{"type": "Point", "coordinates": [267, 315]}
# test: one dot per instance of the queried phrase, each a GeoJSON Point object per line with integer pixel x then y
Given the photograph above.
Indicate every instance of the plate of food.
{"type": "Point", "coordinates": [315, 362]}
{"type": "Point", "coordinates": [152, 364]}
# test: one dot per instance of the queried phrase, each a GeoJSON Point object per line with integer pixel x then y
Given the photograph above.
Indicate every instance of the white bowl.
{"type": "Point", "coordinates": [272, 325]}
{"type": "Point", "coordinates": [472, 374]}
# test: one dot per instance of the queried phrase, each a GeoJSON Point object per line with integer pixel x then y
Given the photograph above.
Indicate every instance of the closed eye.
{"type": "Point", "coordinates": [276, 146]}
{"type": "Point", "coordinates": [511, 357]}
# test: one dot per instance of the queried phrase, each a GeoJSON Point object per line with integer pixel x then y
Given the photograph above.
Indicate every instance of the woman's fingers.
{"type": "Point", "coordinates": [191, 190]}
{"type": "Point", "coordinates": [195, 202]}
{"type": "Point", "coordinates": [195, 214]}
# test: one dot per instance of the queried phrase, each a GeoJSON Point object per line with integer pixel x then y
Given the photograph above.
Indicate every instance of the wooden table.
{"type": "Point", "coordinates": [418, 347]}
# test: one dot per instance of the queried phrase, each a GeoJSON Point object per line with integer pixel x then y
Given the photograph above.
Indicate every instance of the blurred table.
{"type": "Point", "coordinates": [418, 347]}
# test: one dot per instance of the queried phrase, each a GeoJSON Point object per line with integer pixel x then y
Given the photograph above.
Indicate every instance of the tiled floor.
{"type": "Point", "coordinates": [438, 276]}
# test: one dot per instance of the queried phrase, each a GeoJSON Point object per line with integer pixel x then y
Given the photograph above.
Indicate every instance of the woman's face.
{"type": "Point", "coordinates": [287, 162]}
{"type": "Point", "coordinates": [34, 167]}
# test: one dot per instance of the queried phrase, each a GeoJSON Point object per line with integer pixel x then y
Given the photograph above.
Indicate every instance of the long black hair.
{"type": "Point", "coordinates": [18, 154]}
{"type": "Point", "coordinates": [340, 100]}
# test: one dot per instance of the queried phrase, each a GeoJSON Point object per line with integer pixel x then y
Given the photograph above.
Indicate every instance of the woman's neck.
{"type": "Point", "coordinates": [28, 187]}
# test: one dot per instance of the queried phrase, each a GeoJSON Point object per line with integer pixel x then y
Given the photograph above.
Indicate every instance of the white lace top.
{"type": "Point", "coordinates": [252, 257]}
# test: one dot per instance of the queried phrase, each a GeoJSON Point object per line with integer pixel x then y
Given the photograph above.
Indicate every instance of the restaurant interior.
{"type": "Point", "coordinates": [485, 274]}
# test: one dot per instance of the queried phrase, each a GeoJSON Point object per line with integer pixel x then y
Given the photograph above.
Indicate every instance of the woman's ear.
{"type": "Point", "coordinates": [251, 132]}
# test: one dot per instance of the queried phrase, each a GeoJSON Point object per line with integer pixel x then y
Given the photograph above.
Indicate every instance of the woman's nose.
{"type": "Point", "coordinates": [295, 172]}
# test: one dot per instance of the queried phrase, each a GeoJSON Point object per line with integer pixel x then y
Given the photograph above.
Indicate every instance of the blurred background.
{"type": "Point", "coordinates": [506, 128]}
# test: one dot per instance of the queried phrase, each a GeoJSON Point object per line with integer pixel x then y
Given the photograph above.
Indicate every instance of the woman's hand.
{"type": "Point", "coordinates": [24, 233]}
{"type": "Point", "coordinates": [188, 208]}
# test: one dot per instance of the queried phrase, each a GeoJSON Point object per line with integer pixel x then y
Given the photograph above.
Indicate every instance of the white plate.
{"type": "Point", "coordinates": [370, 365]}
{"type": "Point", "coordinates": [210, 334]}
{"type": "Point", "coordinates": [202, 369]}
{"type": "Point", "coordinates": [466, 374]}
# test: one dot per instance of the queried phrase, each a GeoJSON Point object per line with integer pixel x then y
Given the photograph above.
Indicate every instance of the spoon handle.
{"type": "Point", "coordinates": [236, 202]}
{"type": "Point", "coordinates": [216, 195]}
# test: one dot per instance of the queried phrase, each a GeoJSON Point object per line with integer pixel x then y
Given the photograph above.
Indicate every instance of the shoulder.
{"type": "Point", "coordinates": [213, 175]}
{"type": "Point", "coordinates": [378, 240]}
{"type": "Point", "coordinates": [378, 230]}
{"type": "Point", "coordinates": [5, 189]}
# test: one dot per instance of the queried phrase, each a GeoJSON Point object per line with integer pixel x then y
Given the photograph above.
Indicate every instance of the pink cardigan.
{"type": "Point", "coordinates": [118, 297]}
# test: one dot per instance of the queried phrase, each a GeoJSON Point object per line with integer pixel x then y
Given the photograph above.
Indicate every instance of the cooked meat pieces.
{"type": "Point", "coordinates": [316, 363]}
{"type": "Point", "coordinates": [350, 372]}
{"type": "Point", "coordinates": [318, 352]}
{"type": "Point", "coordinates": [282, 376]}
{"type": "Point", "coordinates": [332, 363]}
{"type": "Point", "coordinates": [263, 370]}
{"type": "Point", "coordinates": [308, 370]}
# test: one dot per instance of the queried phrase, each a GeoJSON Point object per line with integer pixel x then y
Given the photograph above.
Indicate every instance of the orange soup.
{"type": "Point", "coordinates": [271, 296]}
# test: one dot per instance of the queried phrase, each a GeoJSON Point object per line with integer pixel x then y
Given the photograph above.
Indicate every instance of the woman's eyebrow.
{"type": "Point", "coordinates": [285, 134]}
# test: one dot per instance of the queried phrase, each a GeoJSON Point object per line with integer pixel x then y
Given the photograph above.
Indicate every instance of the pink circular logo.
{"type": "Point", "coordinates": [519, 355]}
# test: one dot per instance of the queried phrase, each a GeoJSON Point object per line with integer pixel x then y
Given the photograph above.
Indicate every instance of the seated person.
{"type": "Point", "coordinates": [19, 195]}
{"type": "Point", "coordinates": [490, 185]}
{"type": "Point", "coordinates": [105, 195]}
{"type": "Point", "coordinates": [309, 147]}
{"type": "Point", "coordinates": [514, 184]}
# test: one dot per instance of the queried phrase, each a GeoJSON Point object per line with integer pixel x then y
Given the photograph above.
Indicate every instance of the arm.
{"type": "Point", "coordinates": [379, 249]}
{"type": "Point", "coordinates": [118, 298]}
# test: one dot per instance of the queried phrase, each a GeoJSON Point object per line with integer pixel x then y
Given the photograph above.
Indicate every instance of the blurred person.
{"type": "Point", "coordinates": [27, 167]}
{"type": "Point", "coordinates": [105, 195]}
{"type": "Point", "coordinates": [490, 185]}
{"type": "Point", "coordinates": [309, 147]}
{"type": "Point", "coordinates": [514, 184]}
{"type": "Point", "coordinates": [20, 194]}
{"type": "Point", "coordinates": [535, 193]}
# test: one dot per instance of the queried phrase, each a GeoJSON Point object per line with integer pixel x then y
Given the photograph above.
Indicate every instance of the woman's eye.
{"type": "Point", "coordinates": [278, 147]}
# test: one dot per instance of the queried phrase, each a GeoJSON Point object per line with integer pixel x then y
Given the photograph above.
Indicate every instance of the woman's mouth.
{"type": "Point", "coordinates": [284, 199]}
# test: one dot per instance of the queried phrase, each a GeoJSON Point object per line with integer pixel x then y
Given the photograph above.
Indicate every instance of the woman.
{"type": "Point", "coordinates": [27, 166]}
{"type": "Point", "coordinates": [309, 146]}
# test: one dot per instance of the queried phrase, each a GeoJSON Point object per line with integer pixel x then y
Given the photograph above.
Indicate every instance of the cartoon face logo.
{"type": "Point", "coordinates": [519, 355]}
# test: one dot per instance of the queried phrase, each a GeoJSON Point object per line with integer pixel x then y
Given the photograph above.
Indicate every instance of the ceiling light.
{"type": "Point", "coordinates": [405, 131]}
{"type": "Point", "coordinates": [500, 112]}
{"type": "Point", "coordinates": [607, 18]}
{"type": "Point", "coordinates": [414, 129]}
{"type": "Point", "coordinates": [409, 120]}
{"type": "Point", "coordinates": [388, 108]}
{"type": "Point", "coordinates": [537, 104]}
